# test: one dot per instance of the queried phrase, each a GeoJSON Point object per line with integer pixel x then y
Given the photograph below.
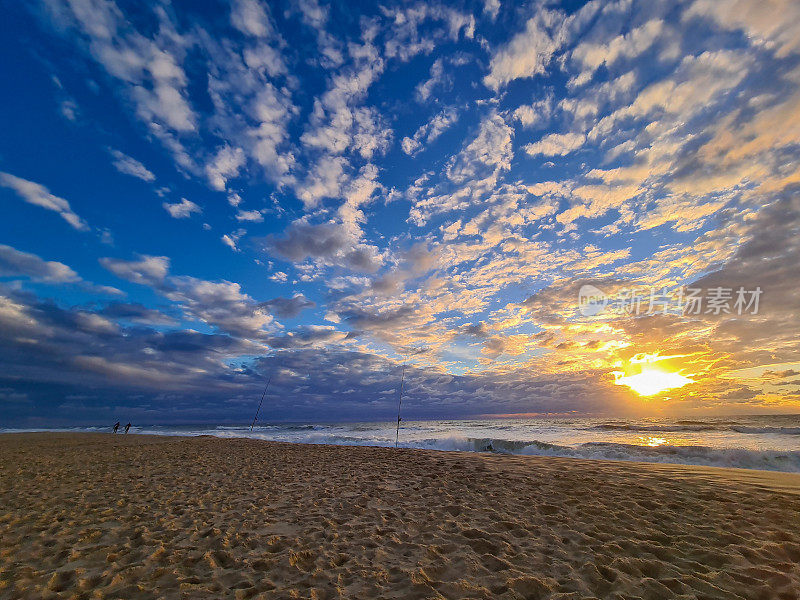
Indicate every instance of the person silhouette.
{"type": "Point", "coordinates": [116, 426]}
{"type": "Point", "coordinates": [128, 426]}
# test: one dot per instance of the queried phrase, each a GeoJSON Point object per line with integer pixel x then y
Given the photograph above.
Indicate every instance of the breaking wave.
{"type": "Point", "coordinates": [690, 426]}
{"type": "Point", "coordinates": [769, 460]}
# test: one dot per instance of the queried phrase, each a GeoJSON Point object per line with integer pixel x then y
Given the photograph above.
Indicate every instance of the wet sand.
{"type": "Point", "coordinates": [103, 516]}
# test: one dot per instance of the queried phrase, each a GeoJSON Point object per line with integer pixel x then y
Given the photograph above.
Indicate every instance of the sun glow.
{"type": "Point", "coordinates": [649, 380]}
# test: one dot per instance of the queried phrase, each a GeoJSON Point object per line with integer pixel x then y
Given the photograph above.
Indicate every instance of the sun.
{"type": "Point", "coordinates": [652, 381]}
{"type": "Point", "coordinates": [646, 379]}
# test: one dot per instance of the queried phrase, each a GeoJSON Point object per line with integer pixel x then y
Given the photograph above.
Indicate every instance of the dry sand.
{"type": "Point", "coordinates": [102, 516]}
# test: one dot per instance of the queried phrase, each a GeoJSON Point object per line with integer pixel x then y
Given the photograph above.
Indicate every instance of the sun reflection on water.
{"type": "Point", "coordinates": [652, 441]}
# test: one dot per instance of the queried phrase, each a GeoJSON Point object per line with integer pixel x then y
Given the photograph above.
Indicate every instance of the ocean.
{"type": "Point", "coordinates": [770, 442]}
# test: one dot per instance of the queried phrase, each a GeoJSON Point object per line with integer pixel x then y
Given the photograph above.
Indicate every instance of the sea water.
{"type": "Point", "coordinates": [753, 442]}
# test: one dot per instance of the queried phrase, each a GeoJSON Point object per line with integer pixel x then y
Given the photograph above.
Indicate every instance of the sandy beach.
{"type": "Point", "coordinates": [103, 516]}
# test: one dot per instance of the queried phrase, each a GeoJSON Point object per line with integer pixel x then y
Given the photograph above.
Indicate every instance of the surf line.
{"type": "Point", "coordinates": [260, 403]}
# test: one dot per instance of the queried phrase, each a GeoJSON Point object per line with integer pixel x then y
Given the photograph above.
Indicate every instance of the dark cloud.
{"type": "Point", "coordinates": [330, 242]}
{"type": "Point", "coordinates": [307, 336]}
{"type": "Point", "coordinates": [288, 307]}
{"type": "Point", "coordinates": [135, 312]}
{"type": "Point", "coordinates": [361, 318]}
{"type": "Point", "coordinates": [221, 304]}
{"type": "Point", "coordinates": [768, 260]}
{"type": "Point", "coordinates": [478, 330]}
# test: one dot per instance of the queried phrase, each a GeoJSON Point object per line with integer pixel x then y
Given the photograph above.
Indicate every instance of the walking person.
{"type": "Point", "coordinates": [116, 426]}
{"type": "Point", "coordinates": [128, 426]}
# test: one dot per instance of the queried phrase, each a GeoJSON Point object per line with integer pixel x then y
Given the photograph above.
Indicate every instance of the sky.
{"type": "Point", "coordinates": [197, 197]}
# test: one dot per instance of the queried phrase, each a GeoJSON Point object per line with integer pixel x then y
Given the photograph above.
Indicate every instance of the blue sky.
{"type": "Point", "coordinates": [195, 197]}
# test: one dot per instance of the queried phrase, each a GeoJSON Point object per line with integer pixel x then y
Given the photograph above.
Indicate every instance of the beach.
{"type": "Point", "coordinates": [138, 516]}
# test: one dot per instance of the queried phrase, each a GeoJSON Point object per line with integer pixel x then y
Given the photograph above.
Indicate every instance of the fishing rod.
{"type": "Point", "coordinates": [260, 403]}
{"type": "Point", "coordinates": [399, 403]}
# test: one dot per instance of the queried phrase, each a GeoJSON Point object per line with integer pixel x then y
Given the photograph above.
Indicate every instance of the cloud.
{"type": "Point", "coordinates": [428, 132]}
{"type": "Point", "coordinates": [38, 195]}
{"type": "Point", "coordinates": [253, 216]}
{"type": "Point", "coordinates": [148, 69]}
{"type": "Point", "coordinates": [490, 152]}
{"type": "Point", "coordinates": [338, 123]}
{"type": "Point", "coordinates": [535, 114]}
{"type": "Point", "coordinates": [147, 270]}
{"type": "Point", "coordinates": [775, 27]}
{"type": "Point", "coordinates": [591, 56]}
{"type": "Point", "coordinates": [491, 8]}
{"type": "Point", "coordinates": [329, 242]}
{"type": "Point", "coordinates": [530, 51]}
{"type": "Point", "coordinates": [324, 181]}
{"type": "Point", "coordinates": [279, 277]}
{"type": "Point", "coordinates": [410, 33]}
{"type": "Point", "coordinates": [424, 89]}
{"type": "Point", "coordinates": [15, 263]}
{"type": "Point", "coordinates": [410, 145]}
{"type": "Point", "coordinates": [220, 304]}
{"type": "Point", "coordinates": [136, 313]}
{"type": "Point", "coordinates": [556, 144]}
{"type": "Point", "coordinates": [251, 18]}
{"type": "Point", "coordinates": [356, 195]}
{"type": "Point", "coordinates": [182, 209]}
{"type": "Point", "coordinates": [311, 336]}
{"type": "Point", "coordinates": [229, 242]}
{"type": "Point", "coordinates": [288, 307]}
{"type": "Point", "coordinates": [69, 109]}
{"type": "Point", "coordinates": [225, 165]}
{"type": "Point", "coordinates": [130, 166]}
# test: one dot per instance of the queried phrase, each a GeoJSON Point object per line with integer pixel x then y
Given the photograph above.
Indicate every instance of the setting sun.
{"type": "Point", "coordinates": [646, 379]}
{"type": "Point", "coordinates": [651, 381]}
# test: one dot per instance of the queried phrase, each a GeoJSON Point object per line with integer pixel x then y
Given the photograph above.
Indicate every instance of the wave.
{"type": "Point", "coordinates": [778, 430]}
{"type": "Point", "coordinates": [662, 428]}
{"type": "Point", "coordinates": [698, 426]}
{"type": "Point", "coordinates": [770, 460]}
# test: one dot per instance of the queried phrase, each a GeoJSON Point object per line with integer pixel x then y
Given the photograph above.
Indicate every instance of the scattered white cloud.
{"type": "Point", "coordinates": [15, 263]}
{"type": "Point", "coordinates": [69, 110]}
{"type": "Point", "coordinates": [556, 144]}
{"type": "Point", "coordinates": [231, 239]}
{"type": "Point", "coordinates": [182, 209]}
{"type": "Point", "coordinates": [130, 166]}
{"type": "Point", "coordinates": [253, 216]}
{"type": "Point", "coordinates": [491, 8]}
{"type": "Point", "coordinates": [429, 131]}
{"type": "Point", "coordinates": [251, 18]}
{"type": "Point", "coordinates": [529, 52]}
{"type": "Point", "coordinates": [147, 270]}
{"type": "Point", "coordinates": [279, 277]}
{"type": "Point", "coordinates": [490, 152]}
{"type": "Point", "coordinates": [38, 195]}
{"type": "Point", "coordinates": [228, 241]}
{"type": "Point", "coordinates": [224, 166]}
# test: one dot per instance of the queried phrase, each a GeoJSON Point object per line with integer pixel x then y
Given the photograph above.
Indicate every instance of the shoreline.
{"type": "Point", "coordinates": [688, 455]}
{"type": "Point", "coordinates": [98, 515]}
